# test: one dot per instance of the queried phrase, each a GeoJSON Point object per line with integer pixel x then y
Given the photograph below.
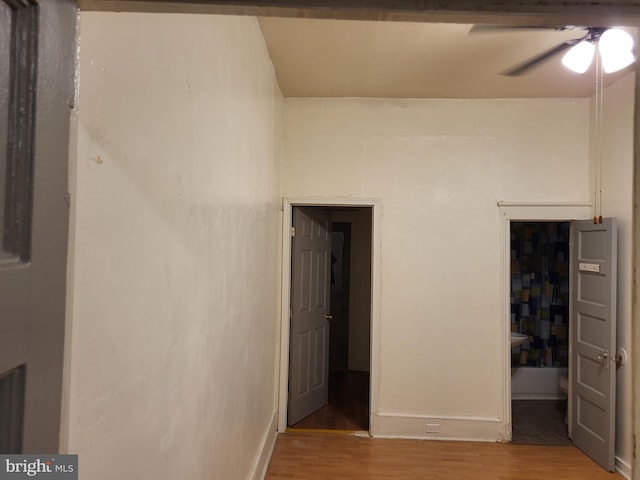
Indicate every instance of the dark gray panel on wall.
{"type": "Point", "coordinates": [36, 93]}
{"type": "Point", "coordinates": [12, 410]}
{"type": "Point", "coordinates": [20, 117]}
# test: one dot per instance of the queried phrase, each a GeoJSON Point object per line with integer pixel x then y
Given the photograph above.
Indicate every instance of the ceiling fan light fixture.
{"type": "Point", "coordinates": [616, 49]}
{"type": "Point", "coordinates": [579, 57]}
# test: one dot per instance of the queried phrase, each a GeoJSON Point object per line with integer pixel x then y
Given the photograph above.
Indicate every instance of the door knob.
{"type": "Point", "coordinates": [328, 317]}
{"type": "Point", "coordinates": [603, 356]}
{"type": "Point", "coordinates": [621, 357]}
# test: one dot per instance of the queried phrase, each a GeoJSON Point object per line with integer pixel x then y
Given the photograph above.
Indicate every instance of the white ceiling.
{"type": "Point", "coordinates": [348, 58]}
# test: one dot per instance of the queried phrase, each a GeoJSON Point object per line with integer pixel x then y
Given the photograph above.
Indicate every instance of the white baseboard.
{"type": "Point", "coordinates": [267, 443]}
{"type": "Point", "coordinates": [476, 429]}
{"type": "Point", "coordinates": [623, 468]}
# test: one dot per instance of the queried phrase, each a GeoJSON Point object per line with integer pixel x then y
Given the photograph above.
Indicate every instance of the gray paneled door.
{"type": "Point", "coordinates": [37, 46]}
{"type": "Point", "coordinates": [593, 366]}
{"type": "Point", "coordinates": [309, 333]}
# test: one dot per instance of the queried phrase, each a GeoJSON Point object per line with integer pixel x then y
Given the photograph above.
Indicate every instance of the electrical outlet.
{"type": "Point", "coordinates": [433, 428]}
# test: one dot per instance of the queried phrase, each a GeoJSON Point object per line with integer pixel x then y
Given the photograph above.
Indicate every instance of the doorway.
{"type": "Point", "coordinates": [350, 320]}
{"type": "Point", "coordinates": [524, 212]}
{"type": "Point", "coordinates": [540, 291]}
{"type": "Point", "coordinates": [592, 366]}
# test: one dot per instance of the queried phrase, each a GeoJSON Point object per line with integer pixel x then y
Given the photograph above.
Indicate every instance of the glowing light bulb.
{"type": "Point", "coordinates": [616, 49]}
{"type": "Point", "coordinates": [579, 57]}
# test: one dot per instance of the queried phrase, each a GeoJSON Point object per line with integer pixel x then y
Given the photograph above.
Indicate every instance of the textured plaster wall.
{"type": "Point", "coordinates": [439, 167]}
{"type": "Point", "coordinates": [175, 233]}
{"type": "Point", "coordinates": [616, 177]}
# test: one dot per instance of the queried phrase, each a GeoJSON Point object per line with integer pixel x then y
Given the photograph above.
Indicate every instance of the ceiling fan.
{"type": "Point", "coordinates": [614, 45]}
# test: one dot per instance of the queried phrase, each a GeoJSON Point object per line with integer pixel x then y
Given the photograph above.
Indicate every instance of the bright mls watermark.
{"type": "Point", "coordinates": [51, 467]}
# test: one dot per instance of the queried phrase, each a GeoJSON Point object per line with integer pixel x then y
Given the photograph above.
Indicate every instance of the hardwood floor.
{"type": "Point", "coordinates": [348, 407]}
{"type": "Point", "coordinates": [320, 456]}
{"type": "Point", "coordinates": [328, 417]}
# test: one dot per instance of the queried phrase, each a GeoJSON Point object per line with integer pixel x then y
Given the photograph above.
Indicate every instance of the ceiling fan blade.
{"type": "Point", "coordinates": [524, 67]}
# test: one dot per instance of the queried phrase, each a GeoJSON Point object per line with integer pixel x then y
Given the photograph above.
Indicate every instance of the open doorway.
{"type": "Point", "coordinates": [591, 323]}
{"type": "Point", "coordinates": [540, 299]}
{"type": "Point", "coordinates": [348, 321]}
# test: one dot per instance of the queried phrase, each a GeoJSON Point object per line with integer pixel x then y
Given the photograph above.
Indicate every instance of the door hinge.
{"type": "Point", "coordinates": [293, 231]}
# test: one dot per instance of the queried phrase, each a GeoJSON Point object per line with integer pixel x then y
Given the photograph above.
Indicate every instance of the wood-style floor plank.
{"type": "Point", "coordinates": [348, 407]}
{"type": "Point", "coordinates": [319, 456]}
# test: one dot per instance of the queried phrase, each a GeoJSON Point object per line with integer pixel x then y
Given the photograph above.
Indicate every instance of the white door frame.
{"type": "Point", "coordinates": [528, 212]}
{"type": "Point", "coordinates": [288, 204]}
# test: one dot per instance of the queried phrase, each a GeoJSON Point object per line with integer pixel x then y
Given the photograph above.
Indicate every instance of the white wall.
{"type": "Point", "coordinates": [439, 167]}
{"type": "Point", "coordinates": [617, 181]}
{"type": "Point", "coordinates": [175, 229]}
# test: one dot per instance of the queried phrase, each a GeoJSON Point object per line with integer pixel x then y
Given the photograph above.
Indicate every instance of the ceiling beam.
{"type": "Point", "coordinates": [508, 12]}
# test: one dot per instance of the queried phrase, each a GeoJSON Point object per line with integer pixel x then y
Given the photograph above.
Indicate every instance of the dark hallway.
{"type": "Point", "coordinates": [348, 407]}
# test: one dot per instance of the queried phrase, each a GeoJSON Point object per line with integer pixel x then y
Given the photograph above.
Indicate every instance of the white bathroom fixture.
{"type": "Point", "coordinates": [518, 339]}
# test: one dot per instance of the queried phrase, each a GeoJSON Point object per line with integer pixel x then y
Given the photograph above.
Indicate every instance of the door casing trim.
{"type": "Point", "coordinates": [288, 204]}
{"type": "Point", "coordinates": [529, 212]}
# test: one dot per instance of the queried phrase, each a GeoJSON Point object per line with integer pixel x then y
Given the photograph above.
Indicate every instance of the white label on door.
{"type": "Point", "coordinates": [589, 267]}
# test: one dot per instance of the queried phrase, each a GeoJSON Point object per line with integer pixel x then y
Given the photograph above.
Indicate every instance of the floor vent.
{"type": "Point", "coordinates": [12, 410]}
